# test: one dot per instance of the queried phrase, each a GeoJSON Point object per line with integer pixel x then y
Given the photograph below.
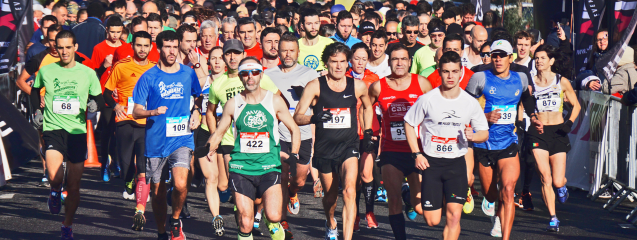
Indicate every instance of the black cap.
{"type": "Point", "coordinates": [232, 44]}
{"type": "Point", "coordinates": [268, 17]}
{"type": "Point", "coordinates": [366, 27]}
{"type": "Point", "coordinates": [454, 28]}
{"type": "Point", "coordinates": [220, 7]}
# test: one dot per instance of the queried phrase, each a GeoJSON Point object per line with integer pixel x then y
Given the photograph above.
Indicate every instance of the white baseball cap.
{"type": "Point", "coordinates": [502, 46]}
{"type": "Point", "coordinates": [37, 7]}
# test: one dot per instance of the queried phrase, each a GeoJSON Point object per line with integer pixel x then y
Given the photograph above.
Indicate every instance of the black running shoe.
{"type": "Point", "coordinates": [138, 221]}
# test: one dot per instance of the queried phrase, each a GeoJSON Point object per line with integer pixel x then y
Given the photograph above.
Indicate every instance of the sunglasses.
{"type": "Point", "coordinates": [485, 54]}
{"type": "Point", "coordinates": [190, 23]}
{"type": "Point", "coordinates": [246, 73]}
{"type": "Point", "coordinates": [499, 54]}
{"type": "Point", "coordinates": [391, 33]}
{"type": "Point", "coordinates": [467, 32]}
{"type": "Point", "coordinates": [411, 32]}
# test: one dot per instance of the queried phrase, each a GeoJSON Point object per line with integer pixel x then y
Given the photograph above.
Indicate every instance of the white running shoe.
{"type": "Point", "coordinates": [487, 207]}
{"type": "Point", "coordinates": [497, 228]}
{"type": "Point", "coordinates": [128, 196]}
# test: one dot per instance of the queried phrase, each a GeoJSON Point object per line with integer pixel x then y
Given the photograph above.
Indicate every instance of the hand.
{"type": "Point", "coordinates": [521, 125]}
{"type": "Point", "coordinates": [493, 116]}
{"type": "Point", "coordinates": [115, 94]}
{"type": "Point", "coordinates": [468, 132]}
{"type": "Point", "coordinates": [195, 120]}
{"type": "Point", "coordinates": [560, 32]}
{"type": "Point", "coordinates": [108, 61]}
{"type": "Point", "coordinates": [120, 111]}
{"type": "Point", "coordinates": [594, 85]}
{"type": "Point", "coordinates": [323, 116]}
{"type": "Point", "coordinates": [368, 143]}
{"type": "Point", "coordinates": [160, 110]}
{"type": "Point", "coordinates": [91, 106]}
{"type": "Point", "coordinates": [30, 82]}
{"type": "Point", "coordinates": [212, 152]}
{"type": "Point", "coordinates": [538, 125]}
{"type": "Point", "coordinates": [38, 119]}
{"type": "Point", "coordinates": [192, 56]}
{"type": "Point", "coordinates": [421, 162]}
{"type": "Point", "coordinates": [293, 158]}
{"type": "Point", "coordinates": [202, 151]}
{"type": "Point", "coordinates": [565, 127]}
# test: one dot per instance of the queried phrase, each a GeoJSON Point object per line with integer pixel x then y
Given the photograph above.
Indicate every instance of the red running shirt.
{"type": "Point", "coordinates": [394, 105]}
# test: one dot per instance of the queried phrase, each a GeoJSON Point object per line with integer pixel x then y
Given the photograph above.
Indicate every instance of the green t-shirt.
{"type": "Point", "coordinates": [256, 150]}
{"type": "Point", "coordinates": [310, 56]}
{"type": "Point", "coordinates": [66, 95]}
{"type": "Point", "coordinates": [428, 71]}
{"type": "Point", "coordinates": [224, 88]}
{"type": "Point", "coordinates": [423, 58]}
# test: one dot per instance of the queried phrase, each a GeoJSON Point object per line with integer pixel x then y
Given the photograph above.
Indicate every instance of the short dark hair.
{"type": "Point", "coordinates": [307, 13]}
{"type": "Point", "coordinates": [119, 4]}
{"type": "Point", "coordinates": [141, 34]}
{"type": "Point", "coordinates": [501, 33]}
{"type": "Point", "coordinates": [65, 34]}
{"type": "Point", "coordinates": [450, 57]}
{"type": "Point", "coordinates": [491, 18]}
{"type": "Point", "coordinates": [410, 21]}
{"type": "Point", "coordinates": [54, 28]}
{"type": "Point", "coordinates": [342, 15]}
{"type": "Point", "coordinates": [334, 48]}
{"type": "Point", "coordinates": [523, 34]}
{"type": "Point", "coordinates": [468, 8]}
{"type": "Point", "coordinates": [396, 47]}
{"type": "Point", "coordinates": [380, 34]}
{"type": "Point", "coordinates": [166, 36]}
{"type": "Point", "coordinates": [453, 37]}
{"type": "Point", "coordinates": [287, 37]}
{"type": "Point", "coordinates": [486, 44]}
{"type": "Point", "coordinates": [327, 30]}
{"type": "Point", "coordinates": [267, 31]}
{"type": "Point", "coordinates": [468, 24]}
{"type": "Point", "coordinates": [437, 5]}
{"type": "Point", "coordinates": [369, 15]}
{"type": "Point", "coordinates": [363, 46]}
{"type": "Point", "coordinates": [184, 29]}
{"type": "Point", "coordinates": [49, 18]}
{"type": "Point", "coordinates": [95, 9]}
{"type": "Point", "coordinates": [423, 7]}
{"type": "Point", "coordinates": [137, 21]}
{"type": "Point", "coordinates": [189, 14]}
{"type": "Point", "coordinates": [283, 15]}
{"type": "Point", "coordinates": [114, 22]}
{"type": "Point", "coordinates": [58, 5]}
{"type": "Point", "coordinates": [245, 21]}
{"type": "Point", "coordinates": [447, 15]}
{"type": "Point", "coordinates": [154, 17]}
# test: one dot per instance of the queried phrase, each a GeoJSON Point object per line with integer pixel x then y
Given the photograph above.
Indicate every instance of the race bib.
{"type": "Point", "coordinates": [441, 145]}
{"type": "Point", "coordinates": [204, 104]}
{"type": "Point", "coordinates": [177, 126]}
{"type": "Point", "coordinates": [66, 104]}
{"type": "Point", "coordinates": [508, 113]}
{"type": "Point", "coordinates": [398, 131]}
{"type": "Point", "coordinates": [254, 142]}
{"type": "Point", "coordinates": [341, 118]}
{"type": "Point", "coordinates": [131, 104]}
{"type": "Point", "coordinates": [549, 102]}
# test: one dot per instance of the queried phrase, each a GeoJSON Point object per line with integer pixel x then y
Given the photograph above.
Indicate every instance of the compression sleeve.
{"type": "Point", "coordinates": [528, 101]}
{"type": "Point", "coordinates": [108, 98]}
{"type": "Point", "coordinates": [35, 98]}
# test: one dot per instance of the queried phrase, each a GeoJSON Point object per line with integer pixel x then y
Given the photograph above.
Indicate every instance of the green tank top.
{"type": "Point", "coordinates": [256, 147]}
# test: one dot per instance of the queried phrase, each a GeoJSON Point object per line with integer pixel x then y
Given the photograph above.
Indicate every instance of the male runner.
{"type": "Point", "coordinates": [69, 86]}
{"type": "Point", "coordinates": [312, 45]}
{"type": "Point", "coordinates": [247, 32]}
{"type": "Point", "coordinates": [409, 29]}
{"type": "Point", "coordinates": [126, 50]}
{"type": "Point", "coordinates": [471, 56]}
{"type": "Point", "coordinates": [424, 57]}
{"type": "Point", "coordinates": [502, 89]}
{"type": "Point", "coordinates": [270, 38]}
{"type": "Point", "coordinates": [292, 78]}
{"type": "Point", "coordinates": [378, 60]}
{"type": "Point", "coordinates": [188, 52]}
{"type": "Point", "coordinates": [447, 117]}
{"type": "Point", "coordinates": [130, 132]}
{"type": "Point", "coordinates": [395, 94]}
{"type": "Point", "coordinates": [165, 90]}
{"type": "Point", "coordinates": [255, 163]}
{"type": "Point", "coordinates": [334, 98]}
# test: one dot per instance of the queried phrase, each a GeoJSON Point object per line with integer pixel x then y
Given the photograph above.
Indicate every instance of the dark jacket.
{"type": "Point", "coordinates": [88, 34]}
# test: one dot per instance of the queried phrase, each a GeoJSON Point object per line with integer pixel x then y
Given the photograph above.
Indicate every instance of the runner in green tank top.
{"type": "Point", "coordinates": [255, 164]}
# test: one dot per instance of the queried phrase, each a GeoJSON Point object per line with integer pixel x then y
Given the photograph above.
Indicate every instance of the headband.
{"type": "Point", "coordinates": [250, 66]}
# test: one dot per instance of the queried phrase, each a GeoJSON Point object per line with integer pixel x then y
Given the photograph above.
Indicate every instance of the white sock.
{"type": "Point", "coordinates": [258, 216]}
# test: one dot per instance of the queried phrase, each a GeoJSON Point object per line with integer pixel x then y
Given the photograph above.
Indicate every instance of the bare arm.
{"type": "Point", "coordinates": [283, 114]}
{"type": "Point", "coordinates": [22, 82]}
{"type": "Point", "coordinates": [224, 124]}
{"type": "Point", "coordinates": [363, 93]}
{"type": "Point", "coordinates": [425, 85]}
{"type": "Point", "coordinates": [139, 112]}
{"type": "Point", "coordinates": [211, 116]}
{"type": "Point", "coordinates": [572, 98]}
{"type": "Point", "coordinates": [312, 90]}
{"type": "Point", "coordinates": [412, 139]}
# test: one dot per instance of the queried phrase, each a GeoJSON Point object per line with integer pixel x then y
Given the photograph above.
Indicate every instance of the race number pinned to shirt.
{"type": "Point", "coordinates": [441, 145]}
{"type": "Point", "coordinates": [177, 126]}
{"type": "Point", "coordinates": [254, 142]}
{"type": "Point", "coordinates": [66, 104]}
{"type": "Point", "coordinates": [549, 102]}
{"type": "Point", "coordinates": [398, 131]}
{"type": "Point", "coordinates": [129, 109]}
{"type": "Point", "coordinates": [508, 113]}
{"type": "Point", "coordinates": [341, 118]}
{"type": "Point", "coordinates": [204, 103]}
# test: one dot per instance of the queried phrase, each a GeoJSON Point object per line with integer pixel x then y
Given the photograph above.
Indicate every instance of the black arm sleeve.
{"type": "Point", "coordinates": [528, 101]}
{"type": "Point", "coordinates": [99, 99]}
{"type": "Point", "coordinates": [100, 71]}
{"type": "Point", "coordinates": [565, 47]}
{"type": "Point", "coordinates": [108, 98]}
{"type": "Point", "coordinates": [35, 98]}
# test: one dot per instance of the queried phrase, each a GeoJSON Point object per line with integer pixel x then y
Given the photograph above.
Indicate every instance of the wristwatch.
{"type": "Point", "coordinates": [197, 65]}
{"type": "Point", "coordinates": [415, 155]}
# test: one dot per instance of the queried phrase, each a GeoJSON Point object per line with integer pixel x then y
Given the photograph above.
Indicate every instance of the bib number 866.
{"type": "Point", "coordinates": [444, 148]}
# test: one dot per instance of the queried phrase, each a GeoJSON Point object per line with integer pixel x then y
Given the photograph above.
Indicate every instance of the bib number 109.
{"type": "Point", "coordinates": [177, 126]}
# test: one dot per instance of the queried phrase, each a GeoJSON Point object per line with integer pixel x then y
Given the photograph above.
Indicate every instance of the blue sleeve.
{"type": "Point", "coordinates": [140, 92]}
{"type": "Point", "coordinates": [196, 88]}
{"type": "Point", "coordinates": [37, 36]}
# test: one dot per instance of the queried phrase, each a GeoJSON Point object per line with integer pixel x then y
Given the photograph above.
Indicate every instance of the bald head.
{"type": "Point", "coordinates": [131, 10]}
{"type": "Point", "coordinates": [148, 8]}
{"type": "Point", "coordinates": [479, 36]}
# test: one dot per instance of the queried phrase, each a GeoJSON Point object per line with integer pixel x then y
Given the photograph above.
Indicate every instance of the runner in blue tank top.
{"type": "Point", "coordinates": [503, 90]}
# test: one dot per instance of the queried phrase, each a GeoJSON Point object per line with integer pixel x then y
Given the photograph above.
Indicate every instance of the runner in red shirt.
{"type": "Point", "coordinates": [247, 32]}
{"type": "Point", "coordinates": [453, 43]}
{"type": "Point", "coordinates": [126, 50]}
{"type": "Point", "coordinates": [103, 52]}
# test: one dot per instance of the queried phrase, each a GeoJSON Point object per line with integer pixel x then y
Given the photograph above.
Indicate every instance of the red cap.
{"type": "Point", "coordinates": [414, 2]}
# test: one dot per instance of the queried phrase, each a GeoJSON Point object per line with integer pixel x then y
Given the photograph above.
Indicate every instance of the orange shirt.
{"type": "Point", "coordinates": [101, 51]}
{"type": "Point", "coordinates": [126, 50]}
{"type": "Point", "coordinates": [435, 80]}
{"type": "Point", "coordinates": [255, 51]}
{"type": "Point", "coordinates": [123, 77]}
{"type": "Point", "coordinates": [368, 77]}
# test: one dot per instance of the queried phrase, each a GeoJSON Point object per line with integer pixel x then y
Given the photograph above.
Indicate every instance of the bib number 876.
{"type": "Point", "coordinates": [254, 144]}
{"type": "Point", "coordinates": [179, 127]}
{"type": "Point", "coordinates": [548, 103]}
{"type": "Point", "coordinates": [444, 148]}
{"type": "Point", "coordinates": [66, 106]}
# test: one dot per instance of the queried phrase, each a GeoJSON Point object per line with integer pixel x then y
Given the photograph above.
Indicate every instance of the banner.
{"type": "Point", "coordinates": [625, 22]}
{"type": "Point", "coordinates": [482, 6]}
{"type": "Point", "coordinates": [587, 17]}
{"type": "Point", "coordinates": [578, 160]}
{"type": "Point", "coordinates": [20, 139]}
{"type": "Point", "coordinates": [16, 17]}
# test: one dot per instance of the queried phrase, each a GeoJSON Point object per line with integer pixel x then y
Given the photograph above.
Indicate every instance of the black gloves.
{"type": "Point", "coordinates": [202, 151]}
{"type": "Point", "coordinates": [565, 127]}
{"type": "Point", "coordinates": [368, 143]}
{"type": "Point", "coordinates": [521, 125]}
{"type": "Point", "coordinates": [323, 116]}
{"type": "Point", "coordinates": [293, 159]}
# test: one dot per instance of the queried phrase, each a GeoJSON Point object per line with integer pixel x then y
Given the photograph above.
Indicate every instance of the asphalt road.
{"type": "Point", "coordinates": [104, 214]}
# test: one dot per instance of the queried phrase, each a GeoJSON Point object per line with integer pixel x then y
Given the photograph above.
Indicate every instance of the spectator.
{"type": "Point", "coordinates": [622, 81]}
{"type": "Point", "coordinates": [48, 7]}
{"type": "Point", "coordinates": [438, 7]}
{"type": "Point", "coordinates": [90, 32]}
{"type": "Point", "coordinates": [82, 15]}
{"type": "Point", "coordinates": [599, 48]}
{"type": "Point", "coordinates": [72, 9]}
{"type": "Point", "coordinates": [557, 24]}
{"type": "Point", "coordinates": [119, 7]}
{"type": "Point", "coordinates": [39, 46]}
{"type": "Point", "coordinates": [344, 25]}
{"type": "Point", "coordinates": [61, 13]}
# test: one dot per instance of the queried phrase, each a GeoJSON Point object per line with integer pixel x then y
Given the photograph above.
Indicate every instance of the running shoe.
{"type": "Point", "coordinates": [255, 227]}
{"type": "Point", "coordinates": [130, 186]}
{"type": "Point", "coordinates": [606, 194]}
{"type": "Point", "coordinates": [409, 209]}
{"type": "Point", "coordinates": [217, 224]}
{"type": "Point", "coordinates": [138, 221]}
{"type": "Point", "coordinates": [517, 200]}
{"type": "Point", "coordinates": [286, 228]}
{"type": "Point", "coordinates": [371, 220]}
{"type": "Point", "coordinates": [176, 230]}
{"type": "Point", "coordinates": [224, 196]}
{"type": "Point", "coordinates": [562, 194]}
{"type": "Point", "coordinates": [294, 206]}
{"type": "Point", "coordinates": [128, 196]}
{"type": "Point", "coordinates": [162, 236]}
{"type": "Point", "coordinates": [554, 225]}
{"type": "Point", "coordinates": [318, 189]}
{"type": "Point", "coordinates": [275, 229]}
{"type": "Point", "coordinates": [45, 182]}
{"type": "Point", "coordinates": [67, 233]}
{"type": "Point", "coordinates": [330, 234]}
{"type": "Point", "coordinates": [487, 207]}
{"type": "Point", "coordinates": [116, 171]}
{"type": "Point", "coordinates": [357, 224]}
{"type": "Point", "coordinates": [184, 211]}
{"type": "Point", "coordinates": [497, 228]}
{"type": "Point", "coordinates": [381, 195]}
{"type": "Point", "coordinates": [106, 173]}
{"type": "Point", "coordinates": [55, 202]}
{"type": "Point", "coordinates": [527, 202]}
{"type": "Point", "coordinates": [469, 204]}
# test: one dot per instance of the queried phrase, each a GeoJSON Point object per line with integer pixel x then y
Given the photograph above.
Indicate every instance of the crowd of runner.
{"type": "Point", "coordinates": [399, 102]}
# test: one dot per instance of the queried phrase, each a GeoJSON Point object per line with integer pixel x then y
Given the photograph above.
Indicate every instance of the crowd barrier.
{"type": "Point", "coordinates": [604, 149]}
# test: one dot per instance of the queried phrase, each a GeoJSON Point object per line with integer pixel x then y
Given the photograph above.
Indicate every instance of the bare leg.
{"type": "Point", "coordinates": [470, 164]}
{"type": "Point", "coordinates": [72, 201]}
{"type": "Point", "coordinates": [180, 190]}
{"type": "Point", "coordinates": [544, 170]}
{"type": "Point", "coordinates": [158, 191]}
{"type": "Point", "coordinates": [349, 175]}
{"type": "Point", "coordinates": [210, 171]}
{"type": "Point", "coordinates": [452, 228]}
{"type": "Point", "coordinates": [245, 212]}
{"type": "Point", "coordinates": [509, 171]}
{"type": "Point", "coordinates": [330, 187]}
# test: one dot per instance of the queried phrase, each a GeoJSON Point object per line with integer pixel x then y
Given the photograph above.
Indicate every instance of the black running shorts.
{"type": "Point", "coordinates": [329, 165]}
{"type": "Point", "coordinates": [400, 160]}
{"type": "Point", "coordinates": [550, 140]}
{"type": "Point", "coordinates": [254, 186]}
{"type": "Point", "coordinates": [305, 152]}
{"type": "Point", "coordinates": [225, 149]}
{"type": "Point", "coordinates": [72, 146]}
{"type": "Point", "coordinates": [445, 180]}
{"type": "Point", "coordinates": [490, 158]}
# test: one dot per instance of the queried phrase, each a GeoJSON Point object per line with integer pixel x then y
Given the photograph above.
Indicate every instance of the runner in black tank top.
{"type": "Point", "coordinates": [340, 134]}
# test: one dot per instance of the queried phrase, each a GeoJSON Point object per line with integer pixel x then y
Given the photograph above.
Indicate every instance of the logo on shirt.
{"type": "Point", "coordinates": [311, 61]}
{"type": "Point", "coordinates": [517, 92]}
{"type": "Point", "coordinates": [172, 91]}
{"type": "Point", "coordinates": [66, 87]}
{"type": "Point", "coordinates": [451, 114]}
{"type": "Point", "coordinates": [255, 119]}
{"type": "Point", "coordinates": [133, 75]}
{"type": "Point", "coordinates": [413, 95]}
{"type": "Point", "coordinates": [492, 91]}
{"type": "Point", "coordinates": [346, 96]}
{"type": "Point", "coordinates": [390, 97]}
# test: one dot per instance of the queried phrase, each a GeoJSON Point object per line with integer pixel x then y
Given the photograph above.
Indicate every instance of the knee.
{"type": "Point", "coordinates": [547, 179]}
{"type": "Point", "coordinates": [349, 192]}
{"type": "Point", "coordinates": [453, 218]}
{"type": "Point", "coordinates": [273, 216]}
{"type": "Point", "coordinates": [300, 183]}
{"type": "Point", "coordinates": [507, 192]}
{"type": "Point", "coordinates": [180, 184]}
{"type": "Point", "coordinates": [432, 222]}
{"type": "Point", "coordinates": [212, 180]}
{"type": "Point", "coordinates": [246, 222]}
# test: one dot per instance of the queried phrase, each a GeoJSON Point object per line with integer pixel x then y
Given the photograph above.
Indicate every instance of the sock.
{"type": "Point", "coordinates": [245, 236]}
{"type": "Point", "coordinates": [70, 226]}
{"type": "Point", "coordinates": [397, 223]}
{"type": "Point", "coordinates": [553, 217]}
{"type": "Point", "coordinates": [358, 199]}
{"type": "Point", "coordinates": [406, 197]}
{"type": "Point", "coordinates": [141, 193]}
{"type": "Point", "coordinates": [369, 193]}
{"type": "Point", "coordinates": [258, 216]}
